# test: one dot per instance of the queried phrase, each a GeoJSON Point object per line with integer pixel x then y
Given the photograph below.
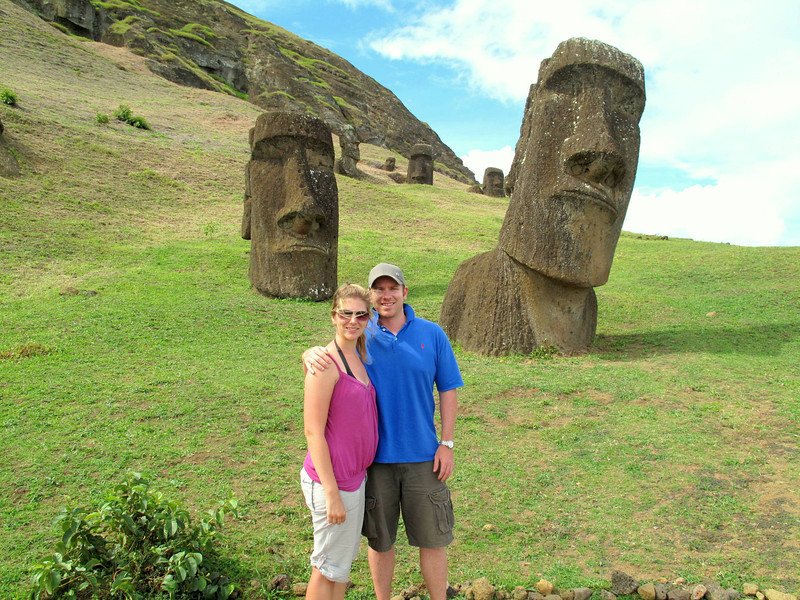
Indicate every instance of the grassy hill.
{"type": "Point", "coordinates": [130, 341]}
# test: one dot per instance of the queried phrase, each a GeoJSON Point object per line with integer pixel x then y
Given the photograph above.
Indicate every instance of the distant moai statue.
{"type": "Point", "coordinates": [493, 182]}
{"type": "Point", "coordinates": [574, 169]}
{"type": "Point", "coordinates": [348, 142]}
{"type": "Point", "coordinates": [291, 209]}
{"type": "Point", "coordinates": [420, 164]}
{"type": "Point", "coordinates": [247, 201]}
{"type": "Point", "coordinates": [390, 164]}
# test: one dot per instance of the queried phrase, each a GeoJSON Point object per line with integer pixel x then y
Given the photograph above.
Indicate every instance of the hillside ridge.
{"type": "Point", "coordinates": [214, 45]}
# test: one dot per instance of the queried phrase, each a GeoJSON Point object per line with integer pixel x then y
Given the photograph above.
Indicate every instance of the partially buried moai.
{"type": "Point", "coordinates": [420, 164]}
{"type": "Point", "coordinates": [573, 170]}
{"type": "Point", "coordinates": [493, 182]}
{"type": "Point", "coordinates": [350, 153]}
{"type": "Point", "coordinates": [291, 207]}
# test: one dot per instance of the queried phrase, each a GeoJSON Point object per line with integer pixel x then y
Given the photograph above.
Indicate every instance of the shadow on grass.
{"type": "Point", "coordinates": [758, 340]}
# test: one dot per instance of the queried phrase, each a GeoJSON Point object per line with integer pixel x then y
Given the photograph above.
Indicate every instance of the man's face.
{"type": "Point", "coordinates": [388, 296]}
{"type": "Point", "coordinates": [573, 190]}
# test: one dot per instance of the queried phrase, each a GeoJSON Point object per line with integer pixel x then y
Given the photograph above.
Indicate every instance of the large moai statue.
{"type": "Point", "coordinates": [420, 164]}
{"type": "Point", "coordinates": [350, 153]}
{"type": "Point", "coordinates": [291, 210]}
{"type": "Point", "coordinates": [493, 182]}
{"type": "Point", "coordinates": [573, 170]}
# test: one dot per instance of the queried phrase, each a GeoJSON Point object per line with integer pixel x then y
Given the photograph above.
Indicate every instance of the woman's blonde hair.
{"type": "Point", "coordinates": [345, 292]}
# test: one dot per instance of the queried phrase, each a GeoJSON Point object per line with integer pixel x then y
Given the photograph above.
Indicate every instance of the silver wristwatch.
{"type": "Point", "coordinates": [448, 443]}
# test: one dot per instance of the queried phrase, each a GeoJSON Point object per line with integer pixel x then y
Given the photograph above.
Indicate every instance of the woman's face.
{"type": "Point", "coordinates": [350, 318]}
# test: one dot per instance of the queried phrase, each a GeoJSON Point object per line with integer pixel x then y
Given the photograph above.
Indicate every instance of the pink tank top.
{"type": "Point", "coordinates": [351, 432]}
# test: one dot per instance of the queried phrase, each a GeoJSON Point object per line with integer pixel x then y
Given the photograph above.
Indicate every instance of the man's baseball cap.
{"type": "Point", "coordinates": [386, 270]}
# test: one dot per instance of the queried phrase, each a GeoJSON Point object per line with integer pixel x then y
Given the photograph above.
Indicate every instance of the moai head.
{"type": "Point", "coordinates": [493, 182]}
{"type": "Point", "coordinates": [294, 223]}
{"type": "Point", "coordinates": [420, 164]}
{"type": "Point", "coordinates": [389, 164]}
{"type": "Point", "coordinates": [576, 169]}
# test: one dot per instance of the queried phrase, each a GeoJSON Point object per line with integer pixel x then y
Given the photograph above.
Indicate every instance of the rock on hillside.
{"type": "Point", "coordinates": [212, 44]}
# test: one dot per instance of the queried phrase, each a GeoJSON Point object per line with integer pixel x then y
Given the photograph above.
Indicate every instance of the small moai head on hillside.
{"type": "Point", "coordinates": [294, 207]}
{"type": "Point", "coordinates": [576, 163]}
{"type": "Point", "coordinates": [390, 163]}
{"type": "Point", "coordinates": [420, 164]}
{"type": "Point", "coordinates": [493, 182]}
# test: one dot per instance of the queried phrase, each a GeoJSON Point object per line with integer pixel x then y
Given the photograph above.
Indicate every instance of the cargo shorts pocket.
{"type": "Point", "coordinates": [369, 529]}
{"type": "Point", "coordinates": [443, 509]}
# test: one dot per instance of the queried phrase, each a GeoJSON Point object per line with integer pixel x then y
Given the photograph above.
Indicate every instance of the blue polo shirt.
{"type": "Point", "coordinates": [404, 368]}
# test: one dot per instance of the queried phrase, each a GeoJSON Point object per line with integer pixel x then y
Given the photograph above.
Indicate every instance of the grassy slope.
{"type": "Point", "coordinates": [669, 450]}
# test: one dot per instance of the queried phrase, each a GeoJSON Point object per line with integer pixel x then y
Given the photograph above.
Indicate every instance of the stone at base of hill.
{"type": "Point", "coordinates": [544, 587]}
{"type": "Point", "coordinates": [397, 177]}
{"type": "Point", "coordinates": [647, 591]}
{"type": "Point", "coordinates": [679, 593]}
{"type": "Point", "coordinates": [776, 595]}
{"type": "Point", "coordinates": [565, 594]}
{"type": "Point", "coordinates": [300, 589]}
{"type": "Point", "coordinates": [750, 589]}
{"type": "Point", "coordinates": [519, 593]}
{"type": "Point", "coordinates": [453, 591]}
{"type": "Point", "coordinates": [698, 591]}
{"type": "Point", "coordinates": [583, 593]}
{"type": "Point", "coordinates": [733, 594]}
{"type": "Point", "coordinates": [714, 591]}
{"type": "Point", "coordinates": [481, 589]}
{"type": "Point", "coordinates": [661, 591]}
{"type": "Point", "coordinates": [475, 189]}
{"type": "Point", "coordinates": [606, 595]}
{"type": "Point", "coordinates": [535, 596]}
{"type": "Point", "coordinates": [622, 583]}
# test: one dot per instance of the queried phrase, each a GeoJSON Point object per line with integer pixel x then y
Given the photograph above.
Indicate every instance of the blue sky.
{"type": "Point", "coordinates": [720, 157]}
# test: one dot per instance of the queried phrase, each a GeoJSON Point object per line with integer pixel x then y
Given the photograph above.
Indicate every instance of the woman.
{"type": "Point", "coordinates": [341, 427]}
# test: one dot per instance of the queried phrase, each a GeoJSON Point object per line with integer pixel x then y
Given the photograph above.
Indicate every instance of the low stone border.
{"type": "Point", "coordinates": [622, 584]}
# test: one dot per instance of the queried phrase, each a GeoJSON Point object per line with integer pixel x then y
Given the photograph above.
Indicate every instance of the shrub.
{"type": "Point", "coordinates": [101, 118]}
{"type": "Point", "coordinates": [135, 544]}
{"type": "Point", "coordinates": [125, 114]}
{"type": "Point", "coordinates": [8, 97]}
{"type": "Point", "coordinates": [139, 122]}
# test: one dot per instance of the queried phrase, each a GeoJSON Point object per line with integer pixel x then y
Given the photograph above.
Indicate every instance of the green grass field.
{"type": "Point", "coordinates": [130, 341]}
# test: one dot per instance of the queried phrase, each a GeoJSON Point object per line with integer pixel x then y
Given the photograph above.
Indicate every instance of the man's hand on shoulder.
{"type": "Point", "coordinates": [316, 359]}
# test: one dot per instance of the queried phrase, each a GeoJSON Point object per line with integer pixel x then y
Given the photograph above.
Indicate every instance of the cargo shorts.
{"type": "Point", "coordinates": [413, 490]}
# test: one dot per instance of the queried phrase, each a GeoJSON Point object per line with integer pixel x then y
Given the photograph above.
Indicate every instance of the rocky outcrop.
{"type": "Point", "coordinates": [217, 46]}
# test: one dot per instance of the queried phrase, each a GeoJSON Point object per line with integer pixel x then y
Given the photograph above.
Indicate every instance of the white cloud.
{"type": "Point", "coordinates": [720, 85]}
{"type": "Point", "coordinates": [478, 160]}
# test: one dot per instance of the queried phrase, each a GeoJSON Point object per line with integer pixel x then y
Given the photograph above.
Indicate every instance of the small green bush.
{"type": "Point", "coordinates": [8, 97]}
{"type": "Point", "coordinates": [101, 118]}
{"type": "Point", "coordinates": [136, 544]}
{"type": "Point", "coordinates": [125, 114]}
{"type": "Point", "coordinates": [139, 122]}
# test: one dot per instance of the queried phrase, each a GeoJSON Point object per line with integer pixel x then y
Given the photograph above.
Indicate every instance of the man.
{"type": "Point", "coordinates": [408, 356]}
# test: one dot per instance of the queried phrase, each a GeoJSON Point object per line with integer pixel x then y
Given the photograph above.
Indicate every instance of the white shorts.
{"type": "Point", "coordinates": [335, 546]}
